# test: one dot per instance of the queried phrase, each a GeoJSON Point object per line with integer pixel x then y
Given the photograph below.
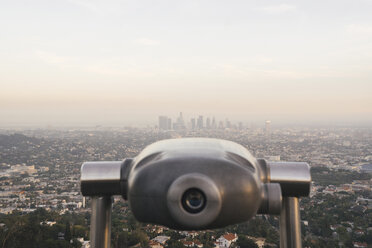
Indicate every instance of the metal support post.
{"type": "Point", "coordinates": [100, 225]}
{"type": "Point", "coordinates": [290, 223]}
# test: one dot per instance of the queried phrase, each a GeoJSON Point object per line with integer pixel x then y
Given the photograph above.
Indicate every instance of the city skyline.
{"type": "Point", "coordinates": [196, 122]}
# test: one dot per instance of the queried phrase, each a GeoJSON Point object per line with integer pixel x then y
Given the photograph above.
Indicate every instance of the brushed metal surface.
{"type": "Point", "coordinates": [293, 177]}
{"type": "Point", "coordinates": [100, 225]}
{"type": "Point", "coordinates": [290, 223]}
{"type": "Point", "coordinates": [101, 178]}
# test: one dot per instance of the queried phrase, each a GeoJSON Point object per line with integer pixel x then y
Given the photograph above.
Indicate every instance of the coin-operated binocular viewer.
{"type": "Point", "coordinates": [196, 184]}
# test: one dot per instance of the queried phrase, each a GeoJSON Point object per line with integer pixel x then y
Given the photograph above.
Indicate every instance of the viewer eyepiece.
{"type": "Point", "coordinates": [193, 200]}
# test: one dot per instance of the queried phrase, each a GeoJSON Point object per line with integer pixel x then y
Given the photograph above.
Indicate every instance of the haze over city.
{"type": "Point", "coordinates": [79, 62]}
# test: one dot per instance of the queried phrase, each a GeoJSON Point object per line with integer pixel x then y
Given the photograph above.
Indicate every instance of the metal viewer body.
{"type": "Point", "coordinates": [195, 184]}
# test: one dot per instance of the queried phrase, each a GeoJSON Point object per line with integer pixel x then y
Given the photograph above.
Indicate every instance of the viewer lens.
{"type": "Point", "coordinates": [193, 200]}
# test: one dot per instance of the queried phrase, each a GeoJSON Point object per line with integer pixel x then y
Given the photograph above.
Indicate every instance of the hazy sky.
{"type": "Point", "coordinates": [123, 62]}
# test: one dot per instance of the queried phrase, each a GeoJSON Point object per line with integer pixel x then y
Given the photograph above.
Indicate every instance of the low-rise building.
{"type": "Point", "coordinates": [226, 240]}
{"type": "Point", "coordinates": [161, 239]}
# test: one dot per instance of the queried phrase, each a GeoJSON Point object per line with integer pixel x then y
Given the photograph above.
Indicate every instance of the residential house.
{"type": "Point", "coordinates": [226, 240]}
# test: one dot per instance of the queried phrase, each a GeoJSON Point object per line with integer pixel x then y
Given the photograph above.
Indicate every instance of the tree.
{"type": "Point", "coordinates": [80, 231]}
{"type": "Point", "coordinates": [245, 242]}
{"type": "Point", "coordinates": [138, 236]}
{"type": "Point", "coordinates": [68, 232]}
{"type": "Point", "coordinates": [122, 240]}
{"type": "Point", "coordinates": [174, 244]}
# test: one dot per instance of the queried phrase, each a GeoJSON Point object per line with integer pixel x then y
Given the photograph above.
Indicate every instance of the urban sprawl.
{"type": "Point", "coordinates": [40, 169]}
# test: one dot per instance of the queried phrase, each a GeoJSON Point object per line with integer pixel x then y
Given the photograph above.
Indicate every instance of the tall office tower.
{"type": "Point", "coordinates": [200, 123]}
{"type": "Point", "coordinates": [163, 122]}
{"type": "Point", "coordinates": [193, 126]}
{"type": "Point", "coordinates": [180, 124]}
{"type": "Point", "coordinates": [214, 124]}
{"type": "Point", "coordinates": [208, 124]}
{"type": "Point", "coordinates": [169, 124]}
{"type": "Point", "coordinates": [228, 123]}
{"type": "Point", "coordinates": [220, 125]}
{"type": "Point", "coordinates": [240, 126]}
{"type": "Point", "coordinates": [181, 117]}
{"type": "Point", "coordinates": [267, 128]}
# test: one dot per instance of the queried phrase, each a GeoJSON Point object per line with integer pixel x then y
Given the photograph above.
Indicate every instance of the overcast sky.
{"type": "Point", "coordinates": [67, 62]}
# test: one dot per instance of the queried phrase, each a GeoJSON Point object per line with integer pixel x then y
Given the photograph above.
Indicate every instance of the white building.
{"type": "Point", "coordinates": [226, 240]}
{"type": "Point", "coordinates": [161, 239]}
